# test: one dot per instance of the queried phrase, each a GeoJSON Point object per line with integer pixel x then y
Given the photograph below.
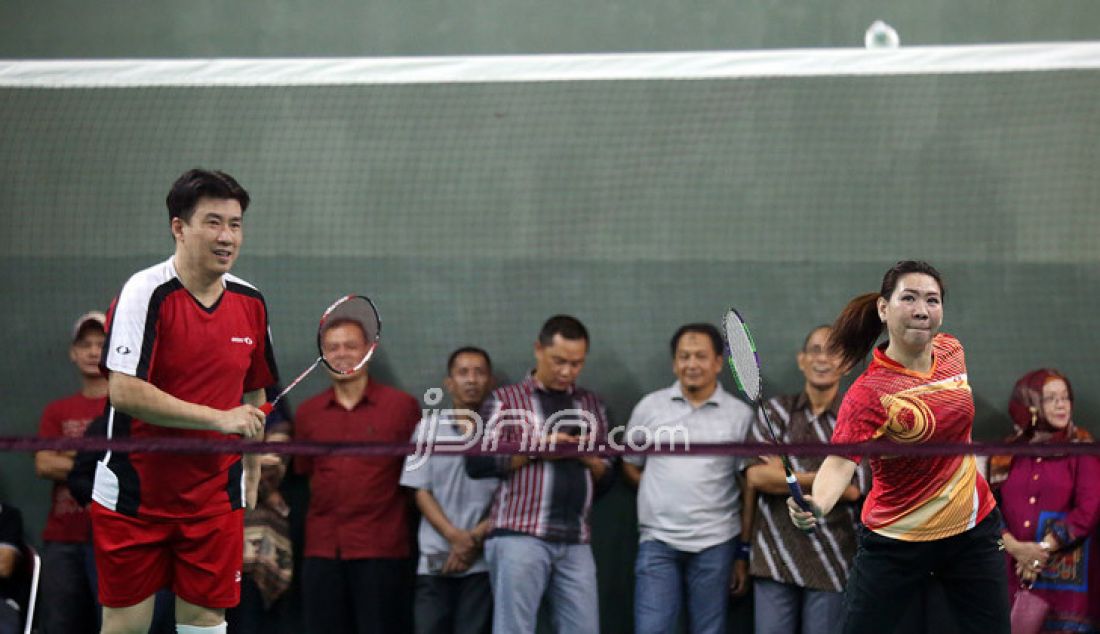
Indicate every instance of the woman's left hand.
{"type": "Point", "coordinates": [804, 520]}
{"type": "Point", "coordinates": [1030, 555]}
{"type": "Point", "coordinates": [1027, 574]}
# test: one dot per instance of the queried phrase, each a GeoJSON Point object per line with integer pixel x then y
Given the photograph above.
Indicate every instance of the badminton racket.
{"type": "Point", "coordinates": [353, 309]}
{"type": "Point", "coordinates": [744, 362]}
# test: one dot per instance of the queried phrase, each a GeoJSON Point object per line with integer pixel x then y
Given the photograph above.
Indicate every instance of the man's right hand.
{"type": "Point", "coordinates": [245, 420]}
{"type": "Point", "coordinates": [739, 579]}
{"type": "Point", "coordinates": [556, 439]}
{"type": "Point", "coordinates": [455, 565]}
{"type": "Point", "coordinates": [463, 544]}
{"type": "Point", "coordinates": [464, 551]}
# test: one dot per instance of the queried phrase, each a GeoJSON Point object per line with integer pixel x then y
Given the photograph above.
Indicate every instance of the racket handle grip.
{"type": "Point", "coordinates": [266, 408]}
{"type": "Point", "coordinates": [799, 499]}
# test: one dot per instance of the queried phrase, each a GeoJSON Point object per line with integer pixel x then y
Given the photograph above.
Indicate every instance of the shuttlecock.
{"type": "Point", "coordinates": [881, 35]}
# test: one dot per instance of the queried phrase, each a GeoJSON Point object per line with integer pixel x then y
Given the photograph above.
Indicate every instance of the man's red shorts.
{"type": "Point", "coordinates": [200, 559]}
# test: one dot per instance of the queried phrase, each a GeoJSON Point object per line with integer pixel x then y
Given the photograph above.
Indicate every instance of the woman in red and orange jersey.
{"type": "Point", "coordinates": [924, 516]}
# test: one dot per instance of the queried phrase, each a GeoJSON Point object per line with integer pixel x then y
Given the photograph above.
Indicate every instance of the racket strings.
{"type": "Point", "coordinates": [356, 309]}
{"type": "Point", "coordinates": [745, 365]}
{"type": "Point", "coordinates": [742, 356]}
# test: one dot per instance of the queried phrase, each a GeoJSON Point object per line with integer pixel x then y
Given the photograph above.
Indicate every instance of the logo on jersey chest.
{"type": "Point", "coordinates": [245, 340]}
{"type": "Point", "coordinates": [909, 418]}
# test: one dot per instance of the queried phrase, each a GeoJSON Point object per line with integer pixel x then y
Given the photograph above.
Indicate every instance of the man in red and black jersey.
{"type": "Point", "coordinates": [187, 344]}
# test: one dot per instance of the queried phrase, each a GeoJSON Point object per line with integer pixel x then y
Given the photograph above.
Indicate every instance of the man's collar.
{"type": "Point", "coordinates": [534, 385]}
{"type": "Point", "coordinates": [174, 272]}
{"type": "Point", "coordinates": [677, 394]}
{"type": "Point", "coordinates": [363, 398]}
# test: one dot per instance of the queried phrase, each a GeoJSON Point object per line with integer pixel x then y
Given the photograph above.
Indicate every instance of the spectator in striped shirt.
{"type": "Point", "coordinates": [688, 506]}
{"type": "Point", "coordinates": [539, 543]}
{"type": "Point", "coordinates": [799, 580]}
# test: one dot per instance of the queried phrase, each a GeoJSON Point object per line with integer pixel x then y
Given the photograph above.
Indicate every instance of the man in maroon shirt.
{"type": "Point", "coordinates": [68, 600]}
{"type": "Point", "coordinates": [357, 575]}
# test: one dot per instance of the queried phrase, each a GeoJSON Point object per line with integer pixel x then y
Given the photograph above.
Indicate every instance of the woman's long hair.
{"type": "Point", "coordinates": [858, 327]}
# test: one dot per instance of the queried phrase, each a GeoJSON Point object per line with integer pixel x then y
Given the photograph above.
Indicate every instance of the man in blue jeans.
{"type": "Point", "coordinates": [540, 540]}
{"type": "Point", "coordinates": [688, 506]}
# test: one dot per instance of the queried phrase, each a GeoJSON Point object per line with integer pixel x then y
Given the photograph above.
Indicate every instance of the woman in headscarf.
{"type": "Point", "coordinates": [1051, 506]}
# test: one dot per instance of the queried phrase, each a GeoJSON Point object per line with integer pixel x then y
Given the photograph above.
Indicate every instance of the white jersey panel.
{"type": "Point", "coordinates": [129, 320]}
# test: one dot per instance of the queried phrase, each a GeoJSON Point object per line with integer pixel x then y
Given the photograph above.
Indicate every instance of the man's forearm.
{"type": "Point", "coordinates": [481, 531]}
{"type": "Point", "coordinates": [597, 466]}
{"type": "Point", "coordinates": [632, 473]}
{"type": "Point", "coordinates": [771, 480]}
{"type": "Point", "coordinates": [53, 465]}
{"type": "Point", "coordinates": [748, 509]}
{"type": "Point", "coordinates": [147, 402]}
{"type": "Point", "coordinates": [851, 494]}
{"type": "Point", "coordinates": [431, 510]}
{"type": "Point", "coordinates": [9, 556]}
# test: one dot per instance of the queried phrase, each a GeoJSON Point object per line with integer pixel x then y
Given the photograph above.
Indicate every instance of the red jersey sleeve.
{"type": "Point", "coordinates": [262, 372]}
{"type": "Point", "coordinates": [860, 418]}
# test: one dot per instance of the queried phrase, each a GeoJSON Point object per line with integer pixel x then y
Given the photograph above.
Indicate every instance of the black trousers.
{"type": "Point", "coordinates": [453, 605]}
{"type": "Point", "coordinates": [887, 573]}
{"type": "Point", "coordinates": [67, 601]}
{"type": "Point", "coordinates": [250, 616]}
{"type": "Point", "coordinates": [357, 596]}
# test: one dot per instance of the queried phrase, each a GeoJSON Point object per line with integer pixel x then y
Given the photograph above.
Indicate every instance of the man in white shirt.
{"type": "Point", "coordinates": [453, 594]}
{"type": "Point", "coordinates": [688, 506]}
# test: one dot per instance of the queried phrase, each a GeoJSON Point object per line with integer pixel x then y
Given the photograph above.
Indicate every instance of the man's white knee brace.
{"type": "Point", "coordinates": [199, 629]}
